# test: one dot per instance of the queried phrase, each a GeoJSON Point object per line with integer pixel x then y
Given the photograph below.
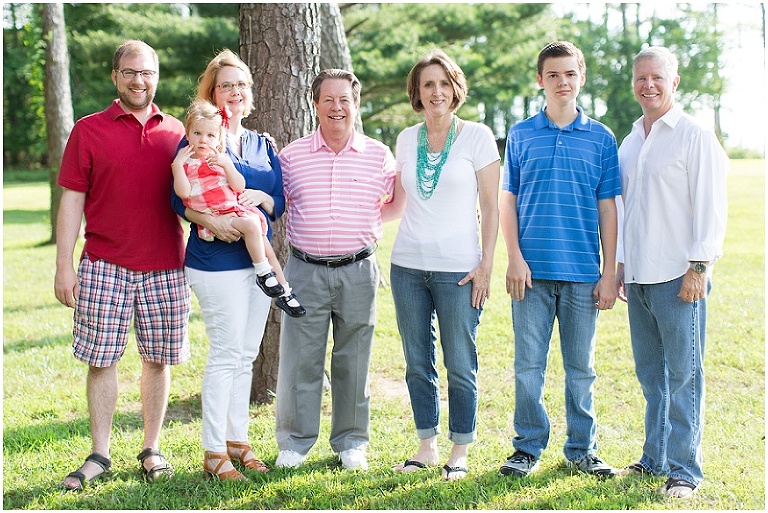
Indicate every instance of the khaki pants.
{"type": "Point", "coordinates": [344, 298]}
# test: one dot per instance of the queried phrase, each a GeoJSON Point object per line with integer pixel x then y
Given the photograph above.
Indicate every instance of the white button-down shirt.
{"type": "Point", "coordinates": [674, 198]}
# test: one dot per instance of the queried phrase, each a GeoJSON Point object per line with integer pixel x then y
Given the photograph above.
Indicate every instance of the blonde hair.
{"type": "Point", "coordinates": [206, 87]}
{"type": "Point", "coordinates": [203, 110]}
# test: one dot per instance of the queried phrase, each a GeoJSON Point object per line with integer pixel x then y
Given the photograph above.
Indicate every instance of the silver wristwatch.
{"type": "Point", "coordinates": [699, 267]}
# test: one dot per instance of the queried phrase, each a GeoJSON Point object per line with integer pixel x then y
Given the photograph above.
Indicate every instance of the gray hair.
{"type": "Point", "coordinates": [661, 54]}
{"type": "Point", "coordinates": [342, 74]}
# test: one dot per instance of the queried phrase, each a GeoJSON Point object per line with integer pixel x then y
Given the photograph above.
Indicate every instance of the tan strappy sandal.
{"type": "Point", "coordinates": [244, 454]}
{"type": "Point", "coordinates": [224, 475]}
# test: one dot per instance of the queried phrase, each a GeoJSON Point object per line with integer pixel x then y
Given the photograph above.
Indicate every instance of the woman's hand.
{"type": "Point", "coordinates": [256, 198]}
{"type": "Point", "coordinates": [480, 277]}
{"type": "Point", "coordinates": [221, 226]}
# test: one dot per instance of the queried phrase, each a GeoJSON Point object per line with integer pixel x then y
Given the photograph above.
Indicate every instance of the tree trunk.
{"type": "Point", "coordinates": [59, 116]}
{"type": "Point", "coordinates": [281, 45]}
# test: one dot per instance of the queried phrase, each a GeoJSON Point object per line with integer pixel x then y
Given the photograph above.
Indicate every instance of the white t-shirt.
{"type": "Point", "coordinates": [442, 233]}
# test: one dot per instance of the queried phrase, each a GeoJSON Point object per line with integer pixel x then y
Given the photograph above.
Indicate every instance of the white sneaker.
{"type": "Point", "coordinates": [352, 459]}
{"type": "Point", "coordinates": [289, 459]}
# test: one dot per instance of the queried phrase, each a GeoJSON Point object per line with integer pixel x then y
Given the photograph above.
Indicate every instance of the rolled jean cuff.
{"type": "Point", "coordinates": [423, 434]}
{"type": "Point", "coordinates": [462, 438]}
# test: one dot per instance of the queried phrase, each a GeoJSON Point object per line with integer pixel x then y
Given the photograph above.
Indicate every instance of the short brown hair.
{"type": "Point", "coordinates": [454, 72]}
{"type": "Point", "coordinates": [338, 74]}
{"type": "Point", "coordinates": [133, 47]}
{"type": "Point", "coordinates": [561, 49]}
{"type": "Point", "coordinates": [206, 87]}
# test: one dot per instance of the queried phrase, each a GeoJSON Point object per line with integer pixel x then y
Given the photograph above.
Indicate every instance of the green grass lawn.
{"type": "Point", "coordinates": [45, 421]}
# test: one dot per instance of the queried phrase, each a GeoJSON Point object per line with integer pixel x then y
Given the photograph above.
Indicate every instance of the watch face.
{"type": "Point", "coordinates": [700, 267]}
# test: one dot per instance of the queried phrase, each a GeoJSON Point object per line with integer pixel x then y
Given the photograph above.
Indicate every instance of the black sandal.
{"type": "Point", "coordinates": [104, 463]}
{"type": "Point", "coordinates": [637, 469]}
{"type": "Point", "coordinates": [682, 484]}
{"type": "Point", "coordinates": [163, 469]}
{"type": "Point", "coordinates": [448, 470]}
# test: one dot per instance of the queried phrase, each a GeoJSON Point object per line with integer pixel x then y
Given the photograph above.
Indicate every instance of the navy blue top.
{"type": "Point", "coordinates": [261, 168]}
{"type": "Point", "coordinates": [559, 175]}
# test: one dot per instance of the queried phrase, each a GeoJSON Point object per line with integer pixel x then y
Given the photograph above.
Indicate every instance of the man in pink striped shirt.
{"type": "Point", "coordinates": [336, 182]}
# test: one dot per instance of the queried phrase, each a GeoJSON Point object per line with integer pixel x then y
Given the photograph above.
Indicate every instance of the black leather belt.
{"type": "Point", "coordinates": [334, 261]}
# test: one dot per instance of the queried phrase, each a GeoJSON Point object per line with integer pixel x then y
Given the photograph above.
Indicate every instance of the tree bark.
{"type": "Point", "coordinates": [281, 45]}
{"type": "Point", "coordinates": [59, 115]}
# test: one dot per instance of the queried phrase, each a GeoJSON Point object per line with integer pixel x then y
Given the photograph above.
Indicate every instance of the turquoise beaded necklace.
{"type": "Point", "coordinates": [427, 170]}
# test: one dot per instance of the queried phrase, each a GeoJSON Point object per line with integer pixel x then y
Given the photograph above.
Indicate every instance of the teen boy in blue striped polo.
{"type": "Point", "coordinates": [557, 211]}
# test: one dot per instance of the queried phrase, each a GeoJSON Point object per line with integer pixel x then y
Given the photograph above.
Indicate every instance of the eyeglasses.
{"type": "Point", "coordinates": [129, 74]}
{"type": "Point", "coordinates": [227, 87]}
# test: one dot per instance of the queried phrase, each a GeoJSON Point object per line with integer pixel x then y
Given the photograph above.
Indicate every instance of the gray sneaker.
{"type": "Point", "coordinates": [591, 464]}
{"type": "Point", "coordinates": [520, 464]}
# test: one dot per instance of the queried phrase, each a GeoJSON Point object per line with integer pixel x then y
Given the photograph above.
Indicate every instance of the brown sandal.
{"type": "Point", "coordinates": [223, 475]}
{"type": "Point", "coordinates": [240, 451]}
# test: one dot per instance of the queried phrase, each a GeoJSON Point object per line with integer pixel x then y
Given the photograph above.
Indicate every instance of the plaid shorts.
{"type": "Point", "coordinates": [110, 296]}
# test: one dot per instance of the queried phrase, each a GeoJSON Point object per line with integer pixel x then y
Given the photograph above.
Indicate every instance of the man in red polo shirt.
{"type": "Point", "coordinates": [116, 171]}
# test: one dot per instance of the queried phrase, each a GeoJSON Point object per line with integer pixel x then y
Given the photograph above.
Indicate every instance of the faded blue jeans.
{"type": "Point", "coordinates": [533, 320]}
{"type": "Point", "coordinates": [421, 298]}
{"type": "Point", "coordinates": [668, 337]}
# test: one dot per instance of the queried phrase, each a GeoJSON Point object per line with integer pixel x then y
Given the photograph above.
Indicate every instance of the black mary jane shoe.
{"type": "Point", "coordinates": [275, 291]}
{"type": "Point", "coordinates": [104, 463]}
{"type": "Point", "coordinates": [161, 470]}
{"type": "Point", "coordinates": [294, 311]}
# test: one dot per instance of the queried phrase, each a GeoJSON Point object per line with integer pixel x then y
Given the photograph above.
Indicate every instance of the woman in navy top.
{"type": "Point", "coordinates": [222, 276]}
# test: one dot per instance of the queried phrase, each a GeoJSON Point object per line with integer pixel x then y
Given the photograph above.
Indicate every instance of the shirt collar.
{"type": "Point", "coordinates": [115, 111]}
{"type": "Point", "coordinates": [356, 141]}
{"type": "Point", "coordinates": [582, 121]}
{"type": "Point", "coordinates": [672, 117]}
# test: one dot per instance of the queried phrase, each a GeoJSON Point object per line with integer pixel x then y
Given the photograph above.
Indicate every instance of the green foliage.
{"type": "Point", "coordinates": [45, 420]}
{"type": "Point", "coordinates": [24, 137]}
{"type": "Point", "coordinates": [491, 42]}
{"type": "Point", "coordinates": [692, 35]}
{"type": "Point", "coordinates": [496, 45]}
{"type": "Point", "coordinates": [184, 45]}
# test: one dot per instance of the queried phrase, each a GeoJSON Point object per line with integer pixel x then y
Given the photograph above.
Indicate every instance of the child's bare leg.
{"type": "Point", "coordinates": [250, 227]}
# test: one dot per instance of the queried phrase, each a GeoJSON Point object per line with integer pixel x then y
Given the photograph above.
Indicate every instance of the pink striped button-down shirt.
{"type": "Point", "coordinates": [334, 200]}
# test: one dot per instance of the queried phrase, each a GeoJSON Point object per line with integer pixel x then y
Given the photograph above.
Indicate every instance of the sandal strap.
{"type": "Point", "coordinates": [243, 449]}
{"type": "Point", "coordinates": [674, 482]}
{"type": "Point", "coordinates": [80, 477]}
{"type": "Point", "coordinates": [146, 453]}
{"type": "Point", "coordinates": [232, 474]}
{"type": "Point", "coordinates": [239, 445]}
{"type": "Point", "coordinates": [104, 463]}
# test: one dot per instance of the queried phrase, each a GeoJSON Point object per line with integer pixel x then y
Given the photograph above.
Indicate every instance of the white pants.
{"type": "Point", "coordinates": [235, 313]}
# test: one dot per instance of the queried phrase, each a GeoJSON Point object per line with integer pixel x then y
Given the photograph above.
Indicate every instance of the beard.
{"type": "Point", "coordinates": [135, 103]}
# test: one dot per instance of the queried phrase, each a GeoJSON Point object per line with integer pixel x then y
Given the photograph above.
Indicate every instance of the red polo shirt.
{"type": "Point", "coordinates": [124, 168]}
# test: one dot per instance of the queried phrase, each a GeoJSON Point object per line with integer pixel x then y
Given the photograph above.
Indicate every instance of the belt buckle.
{"type": "Point", "coordinates": [338, 262]}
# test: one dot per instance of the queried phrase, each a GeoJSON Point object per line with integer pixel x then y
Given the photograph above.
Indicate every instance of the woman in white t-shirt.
{"type": "Point", "coordinates": [442, 258]}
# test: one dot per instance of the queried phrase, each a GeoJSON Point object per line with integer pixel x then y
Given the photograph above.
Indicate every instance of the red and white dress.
{"type": "Point", "coordinates": [211, 194]}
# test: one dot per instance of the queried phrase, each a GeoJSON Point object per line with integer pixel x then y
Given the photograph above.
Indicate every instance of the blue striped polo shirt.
{"type": "Point", "coordinates": [558, 175]}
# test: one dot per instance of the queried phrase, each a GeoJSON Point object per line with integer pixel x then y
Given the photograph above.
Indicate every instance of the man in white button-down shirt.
{"type": "Point", "coordinates": [673, 174]}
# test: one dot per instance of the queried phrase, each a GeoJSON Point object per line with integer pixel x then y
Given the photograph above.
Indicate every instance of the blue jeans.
{"type": "Point", "coordinates": [421, 298]}
{"type": "Point", "coordinates": [533, 319]}
{"type": "Point", "coordinates": [668, 345]}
